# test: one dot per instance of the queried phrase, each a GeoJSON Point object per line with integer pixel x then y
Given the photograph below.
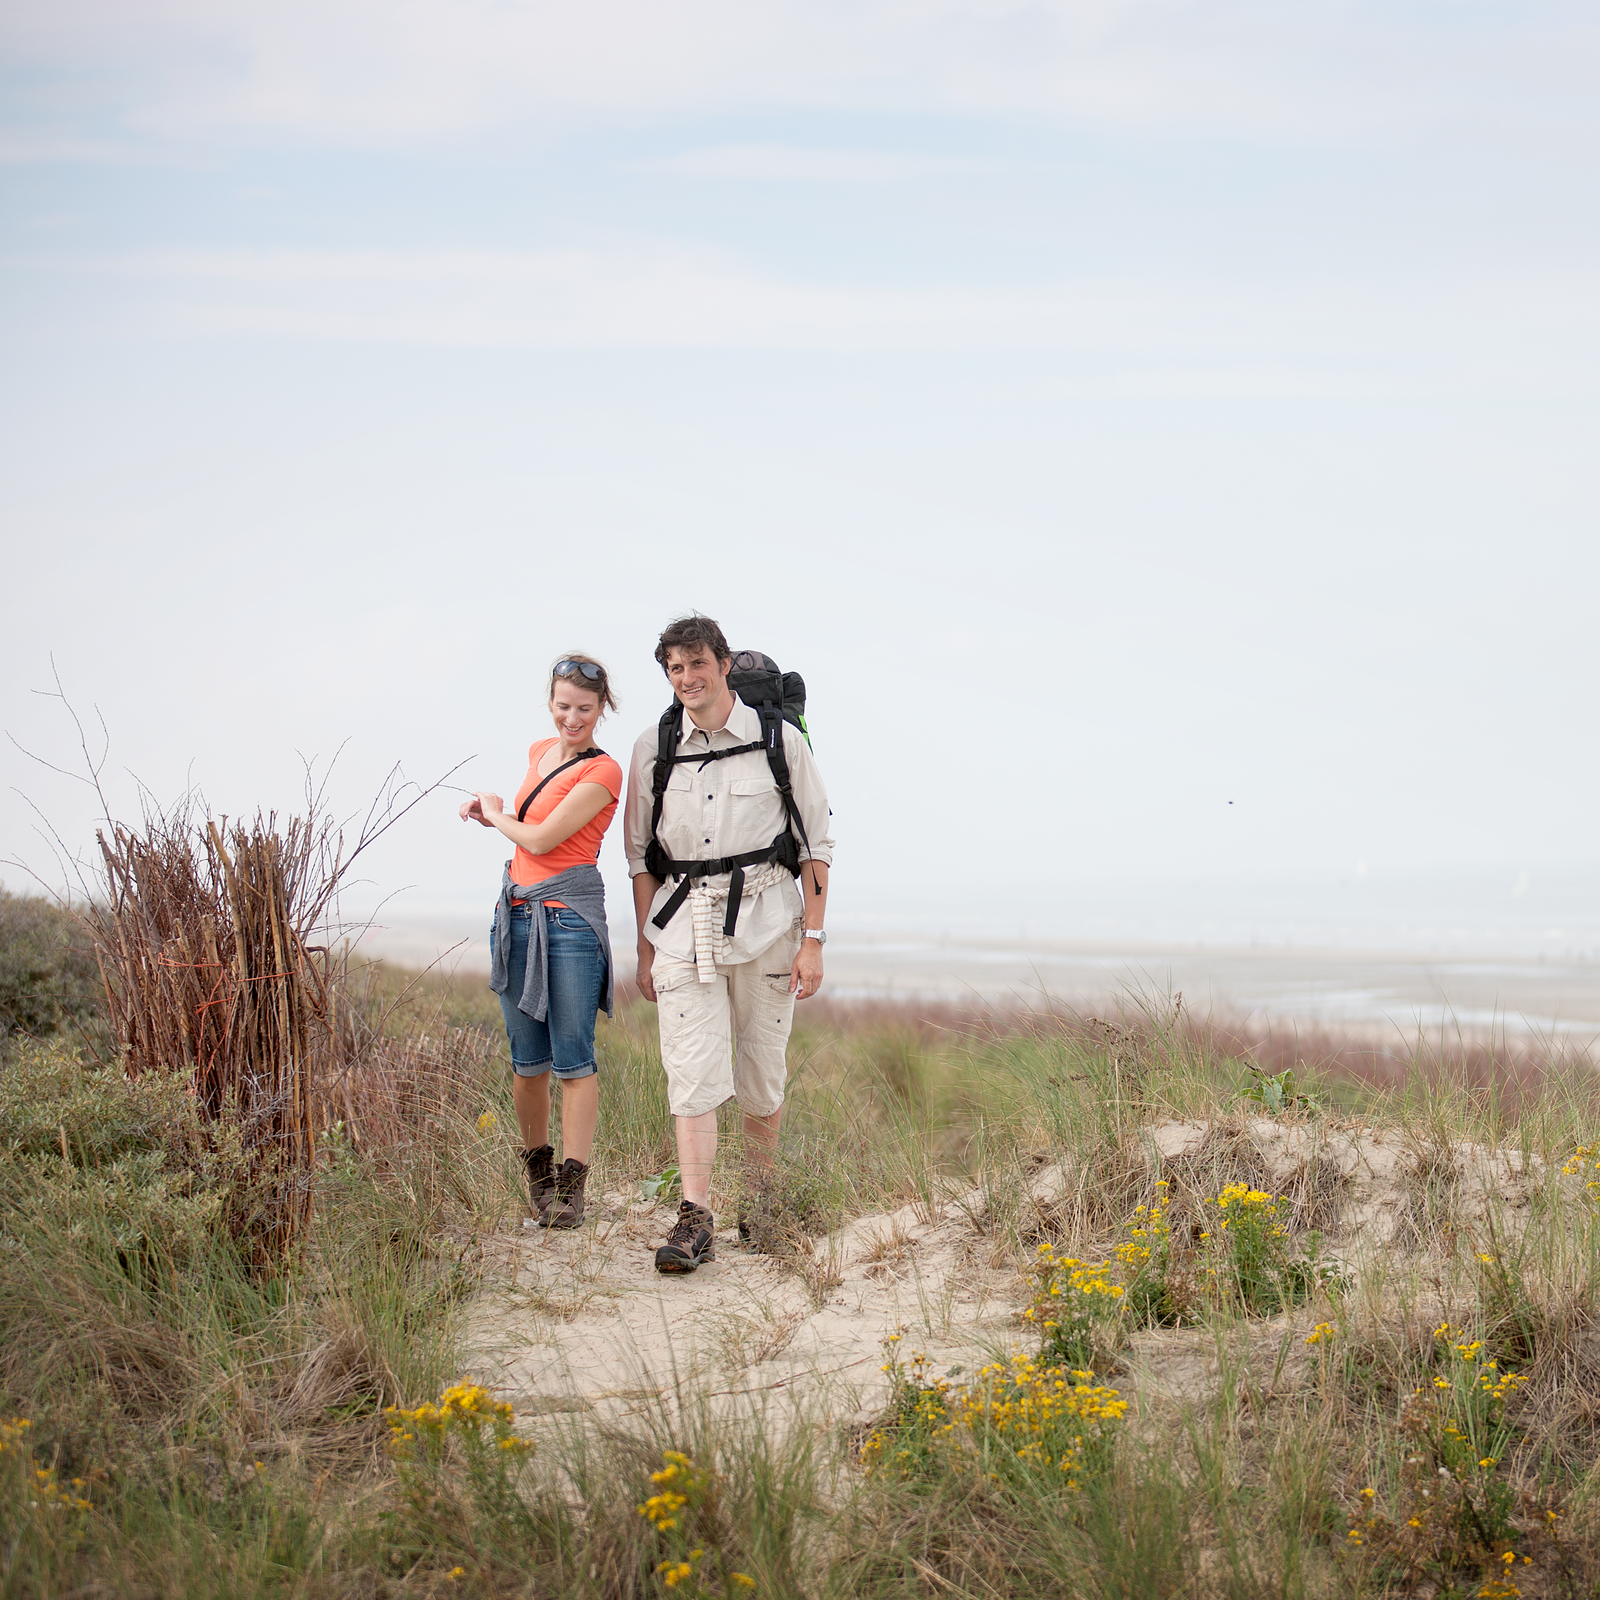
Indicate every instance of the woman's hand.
{"type": "Point", "coordinates": [472, 811]}
{"type": "Point", "coordinates": [489, 806]}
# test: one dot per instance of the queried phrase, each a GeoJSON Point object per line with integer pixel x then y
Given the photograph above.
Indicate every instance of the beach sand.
{"type": "Point", "coordinates": [1364, 990]}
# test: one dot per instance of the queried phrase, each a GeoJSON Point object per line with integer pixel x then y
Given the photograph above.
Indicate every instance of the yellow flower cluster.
{"type": "Point", "coordinates": [1048, 1415]}
{"type": "Point", "coordinates": [1498, 1588]}
{"type": "Point", "coordinates": [1323, 1333]}
{"type": "Point", "coordinates": [1147, 1232]}
{"type": "Point", "coordinates": [488, 1122]}
{"type": "Point", "coordinates": [1584, 1163]}
{"type": "Point", "coordinates": [922, 1411]}
{"type": "Point", "coordinates": [1079, 1283]}
{"type": "Point", "coordinates": [1239, 1203]}
{"type": "Point", "coordinates": [43, 1489]}
{"type": "Point", "coordinates": [680, 1484]}
{"type": "Point", "coordinates": [464, 1407]}
{"type": "Point", "coordinates": [1489, 1379]}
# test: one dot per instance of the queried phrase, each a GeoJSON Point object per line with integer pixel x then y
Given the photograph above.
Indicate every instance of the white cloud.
{"type": "Point", "coordinates": [1169, 334]}
{"type": "Point", "coordinates": [772, 163]}
{"type": "Point", "coordinates": [397, 70]}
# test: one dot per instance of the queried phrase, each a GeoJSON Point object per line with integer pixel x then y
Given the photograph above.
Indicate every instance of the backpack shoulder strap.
{"type": "Point", "coordinates": [533, 793]}
{"type": "Point", "coordinates": [772, 720]}
{"type": "Point", "coordinates": [667, 731]}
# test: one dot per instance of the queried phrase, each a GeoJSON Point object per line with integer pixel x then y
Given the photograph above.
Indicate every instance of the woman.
{"type": "Point", "coordinates": [549, 952]}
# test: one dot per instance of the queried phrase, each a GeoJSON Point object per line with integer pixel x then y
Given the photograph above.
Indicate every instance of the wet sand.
{"type": "Point", "coordinates": [1357, 989]}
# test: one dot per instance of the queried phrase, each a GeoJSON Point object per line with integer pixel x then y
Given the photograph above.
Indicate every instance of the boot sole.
{"type": "Point", "coordinates": [683, 1263]}
{"type": "Point", "coordinates": [560, 1224]}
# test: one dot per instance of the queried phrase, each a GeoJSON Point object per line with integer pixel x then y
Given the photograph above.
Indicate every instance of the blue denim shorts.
{"type": "Point", "coordinates": [564, 1042]}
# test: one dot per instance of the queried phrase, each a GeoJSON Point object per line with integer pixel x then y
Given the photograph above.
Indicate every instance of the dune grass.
{"type": "Point", "coordinates": [199, 1427]}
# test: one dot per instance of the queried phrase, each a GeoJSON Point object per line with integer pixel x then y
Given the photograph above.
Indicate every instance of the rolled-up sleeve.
{"type": "Point", "coordinates": [810, 797]}
{"type": "Point", "coordinates": [641, 797]}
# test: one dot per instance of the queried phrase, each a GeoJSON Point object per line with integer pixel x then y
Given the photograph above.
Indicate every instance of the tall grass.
{"type": "Point", "coordinates": [228, 1426]}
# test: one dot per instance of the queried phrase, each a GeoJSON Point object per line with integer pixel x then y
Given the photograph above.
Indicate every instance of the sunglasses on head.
{"type": "Point", "coordinates": [565, 669]}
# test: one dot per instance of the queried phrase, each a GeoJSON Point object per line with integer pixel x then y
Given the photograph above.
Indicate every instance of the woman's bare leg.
{"type": "Point", "coordinates": [580, 1110]}
{"type": "Point", "coordinates": [531, 1096]}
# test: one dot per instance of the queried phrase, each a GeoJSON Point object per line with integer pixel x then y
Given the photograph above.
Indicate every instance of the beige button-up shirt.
{"type": "Point", "coordinates": [725, 809]}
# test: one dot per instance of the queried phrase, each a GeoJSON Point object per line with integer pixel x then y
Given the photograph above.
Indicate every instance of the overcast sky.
{"type": "Point", "coordinates": [1163, 434]}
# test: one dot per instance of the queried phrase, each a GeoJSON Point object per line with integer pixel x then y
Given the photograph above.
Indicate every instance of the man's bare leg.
{"type": "Point", "coordinates": [697, 1153]}
{"type": "Point", "coordinates": [760, 1143]}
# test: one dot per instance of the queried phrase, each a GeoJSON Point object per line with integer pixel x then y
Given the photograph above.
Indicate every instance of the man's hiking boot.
{"type": "Point", "coordinates": [566, 1204]}
{"type": "Point", "coordinates": [755, 1229]}
{"type": "Point", "coordinates": [540, 1166]}
{"type": "Point", "coordinates": [758, 1217]}
{"type": "Point", "coordinates": [693, 1239]}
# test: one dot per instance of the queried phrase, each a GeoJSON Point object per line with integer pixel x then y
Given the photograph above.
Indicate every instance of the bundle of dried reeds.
{"type": "Point", "coordinates": [213, 945]}
{"type": "Point", "coordinates": [202, 942]}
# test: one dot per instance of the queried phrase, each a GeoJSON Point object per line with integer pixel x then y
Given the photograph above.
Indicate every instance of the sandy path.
{"type": "Point", "coordinates": [581, 1321]}
{"type": "Point", "coordinates": [588, 1324]}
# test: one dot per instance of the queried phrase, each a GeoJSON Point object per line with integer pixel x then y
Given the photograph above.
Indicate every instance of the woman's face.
{"type": "Point", "coordinates": [576, 711]}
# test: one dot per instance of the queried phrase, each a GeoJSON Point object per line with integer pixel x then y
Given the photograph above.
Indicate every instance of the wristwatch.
{"type": "Point", "coordinates": [814, 933]}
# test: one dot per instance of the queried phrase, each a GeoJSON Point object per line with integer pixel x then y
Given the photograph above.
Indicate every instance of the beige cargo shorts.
{"type": "Point", "coordinates": [729, 1038]}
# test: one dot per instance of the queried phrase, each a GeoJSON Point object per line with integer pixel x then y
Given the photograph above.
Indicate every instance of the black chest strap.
{"type": "Point", "coordinates": [688, 871]}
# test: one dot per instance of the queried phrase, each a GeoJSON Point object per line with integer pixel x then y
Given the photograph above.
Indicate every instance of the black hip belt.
{"type": "Point", "coordinates": [663, 866]}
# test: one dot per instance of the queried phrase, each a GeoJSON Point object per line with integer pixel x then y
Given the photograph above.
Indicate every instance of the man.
{"type": "Point", "coordinates": [724, 976]}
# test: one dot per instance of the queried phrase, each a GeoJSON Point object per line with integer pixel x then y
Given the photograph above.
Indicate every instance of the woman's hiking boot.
{"type": "Point", "coordinates": [693, 1239]}
{"type": "Point", "coordinates": [540, 1166]}
{"type": "Point", "coordinates": [566, 1204]}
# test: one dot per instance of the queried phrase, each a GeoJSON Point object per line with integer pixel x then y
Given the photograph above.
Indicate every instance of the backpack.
{"type": "Point", "coordinates": [776, 697]}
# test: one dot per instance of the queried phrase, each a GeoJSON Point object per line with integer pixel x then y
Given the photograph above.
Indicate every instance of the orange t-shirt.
{"type": "Point", "coordinates": [584, 845]}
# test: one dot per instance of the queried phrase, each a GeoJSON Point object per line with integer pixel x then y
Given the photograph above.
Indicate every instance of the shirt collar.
{"type": "Point", "coordinates": [742, 725]}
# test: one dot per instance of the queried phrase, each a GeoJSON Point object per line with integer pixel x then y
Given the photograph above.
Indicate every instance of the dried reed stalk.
{"type": "Point", "coordinates": [202, 943]}
{"type": "Point", "coordinates": [387, 1090]}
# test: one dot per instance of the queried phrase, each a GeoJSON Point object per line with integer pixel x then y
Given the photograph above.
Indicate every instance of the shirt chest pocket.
{"type": "Point", "coordinates": [754, 811]}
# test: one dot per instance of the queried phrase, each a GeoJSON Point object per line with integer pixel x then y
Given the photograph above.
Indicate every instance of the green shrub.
{"type": "Point", "coordinates": [49, 982]}
{"type": "Point", "coordinates": [52, 1104]}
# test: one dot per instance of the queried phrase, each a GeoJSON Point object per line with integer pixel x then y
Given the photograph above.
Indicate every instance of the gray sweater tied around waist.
{"type": "Point", "coordinates": [581, 889]}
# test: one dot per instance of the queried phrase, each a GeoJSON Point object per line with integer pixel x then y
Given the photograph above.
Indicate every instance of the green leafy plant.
{"type": "Point", "coordinates": [1275, 1091]}
{"type": "Point", "coordinates": [661, 1185]}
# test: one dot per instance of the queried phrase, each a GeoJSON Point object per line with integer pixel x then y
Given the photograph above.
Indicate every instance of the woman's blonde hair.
{"type": "Point", "coordinates": [574, 662]}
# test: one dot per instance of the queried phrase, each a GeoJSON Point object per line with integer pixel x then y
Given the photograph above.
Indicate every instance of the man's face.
{"type": "Point", "coordinates": [696, 675]}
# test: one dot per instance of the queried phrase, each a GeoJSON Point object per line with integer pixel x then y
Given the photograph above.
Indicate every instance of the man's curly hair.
{"type": "Point", "coordinates": [690, 630]}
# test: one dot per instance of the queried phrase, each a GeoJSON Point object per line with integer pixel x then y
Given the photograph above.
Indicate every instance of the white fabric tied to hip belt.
{"type": "Point", "coordinates": [710, 942]}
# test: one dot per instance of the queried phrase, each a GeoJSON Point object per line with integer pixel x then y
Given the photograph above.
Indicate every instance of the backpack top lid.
{"type": "Point", "coordinates": [757, 680]}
